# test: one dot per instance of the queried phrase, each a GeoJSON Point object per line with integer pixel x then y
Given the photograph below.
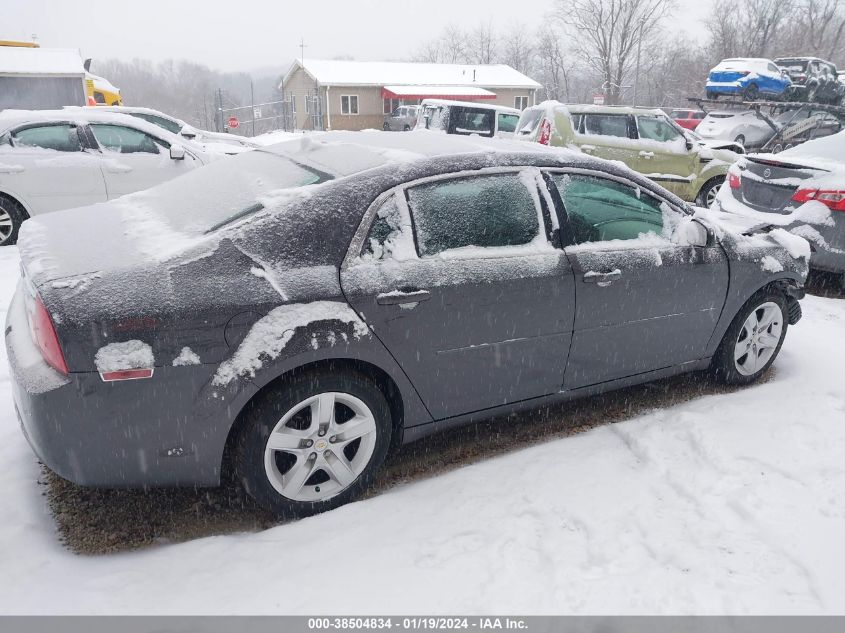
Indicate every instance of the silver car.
{"type": "Point", "coordinates": [401, 119]}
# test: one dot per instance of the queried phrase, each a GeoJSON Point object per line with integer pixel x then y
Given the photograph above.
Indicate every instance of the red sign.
{"type": "Point", "coordinates": [233, 122]}
{"type": "Point", "coordinates": [598, 99]}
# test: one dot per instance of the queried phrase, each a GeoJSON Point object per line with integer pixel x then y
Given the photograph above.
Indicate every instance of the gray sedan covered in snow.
{"type": "Point", "coordinates": [298, 312]}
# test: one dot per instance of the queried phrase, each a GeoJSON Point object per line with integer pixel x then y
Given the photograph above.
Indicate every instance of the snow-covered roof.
{"type": "Point", "coordinates": [353, 73]}
{"type": "Point", "coordinates": [16, 60]}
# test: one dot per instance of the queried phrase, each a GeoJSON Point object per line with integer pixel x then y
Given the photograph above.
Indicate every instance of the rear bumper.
{"type": "Point", "coordinates": [728, 87]}
{"type": "Point", "coordinates": [128, 434]}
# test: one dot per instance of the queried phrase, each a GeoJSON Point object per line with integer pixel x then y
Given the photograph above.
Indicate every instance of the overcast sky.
{"type": "Point", "coordinates": [246, 35]}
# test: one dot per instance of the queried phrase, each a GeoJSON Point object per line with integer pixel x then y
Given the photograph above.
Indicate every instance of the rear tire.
{"type": "Point", "coordinates": [12, 216]}
{"type": "Point", "coordinates": [712, 96]}
{"type": "Point", "coordinates": [315, 462]}
{"type": "Point", "coordinates": [386, 127]}
{"type": "Point", "coordinates": [751, 92]}
{"type": "Point", "coordinates": [741, 140]}
{"type": "Point", "coordinates": [753, 340]}
{"type": "Point", "coordinates": [707, 195]}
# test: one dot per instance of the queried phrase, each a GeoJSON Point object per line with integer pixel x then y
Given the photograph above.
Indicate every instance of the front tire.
{"type": "Point", "coordinates": [313, 443]}
{"type": "Point", "coordinates": [753, 340]}
{"type": "Point", "coordinates": [11, 218]}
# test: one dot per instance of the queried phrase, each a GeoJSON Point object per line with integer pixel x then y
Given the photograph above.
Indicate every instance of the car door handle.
{"type": "Point", "coordinates": [602, 279]}
{"type": "Point", "coordinates": [402, 297]}
{"type": "Point", "coordinates": [647, 155]}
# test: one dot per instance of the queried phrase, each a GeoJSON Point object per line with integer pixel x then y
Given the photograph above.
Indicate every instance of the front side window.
{"type": "Point", "coordinates": [62, 138]}
{"type": "Point", "coordinates": [605, 125]}
{"type": "Point", "coordinates": [124, 140]}
{"type": "Point", "coordinates": [482, 211]}
{"type": "Point", "coordinates": [349, 104]}
{"type": "Point", "coordinates": [601, 210]}
{"type": "Point", "coordinates": [507, 122]}
{"type": "Point", "coordinates": [656, 129]}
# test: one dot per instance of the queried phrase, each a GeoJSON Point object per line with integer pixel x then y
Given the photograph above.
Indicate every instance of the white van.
{"type": "Point", "coordinates": [467, 118]}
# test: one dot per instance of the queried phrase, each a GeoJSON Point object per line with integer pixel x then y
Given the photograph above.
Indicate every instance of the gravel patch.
{"type": "Point", "coordinates": [101, 521]}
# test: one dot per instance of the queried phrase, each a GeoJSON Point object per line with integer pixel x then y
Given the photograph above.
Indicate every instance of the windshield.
{"type": "Point", "coordinates": [219, 194]}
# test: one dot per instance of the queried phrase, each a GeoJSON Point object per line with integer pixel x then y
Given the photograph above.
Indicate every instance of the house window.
{"type": "Point", "coordinates": [520, 103]}
{"type": "Point", "coordinates": [349, 104]}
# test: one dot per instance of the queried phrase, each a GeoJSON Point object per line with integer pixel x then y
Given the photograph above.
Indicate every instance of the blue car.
{"type": "Point", "coordinates": [750, 78]}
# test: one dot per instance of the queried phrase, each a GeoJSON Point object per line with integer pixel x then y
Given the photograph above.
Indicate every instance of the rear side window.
{"type": "Point", "coordinates": [507, 122]}
{"type": "Point", "coordinates": [467, 122]}
{"type": "Point", "coordinates": [62, 138]}
{"type": "Point", "coordinates": [605, 125]}
{"type": "Point", "coordinates": [600, 210]}
{"type": "Point", "coordinates": [124, 140]}
{"type": "Point", "coordinates": [166, 124]}
{"type": "Point", "coordinates": [485, 211]}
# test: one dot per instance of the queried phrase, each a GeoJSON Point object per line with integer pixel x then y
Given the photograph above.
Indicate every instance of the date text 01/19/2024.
{"type": "Point", "coordinates": [417, 623]}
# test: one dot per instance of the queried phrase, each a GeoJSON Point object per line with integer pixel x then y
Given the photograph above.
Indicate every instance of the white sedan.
{"type": "Point", "coordinates": [52, 160]}
{"type": "Point", "coordinates": [212, 142]}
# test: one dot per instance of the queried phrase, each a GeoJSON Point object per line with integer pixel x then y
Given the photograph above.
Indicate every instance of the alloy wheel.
{"type": "Point", "coordinates": [6, 225]}
{"type": "Point", "coordinates": [758, 339]}
{"type": "Point", "coordinates": [320, 447]}
{"type": "Point", "coordinates": [710, 199]}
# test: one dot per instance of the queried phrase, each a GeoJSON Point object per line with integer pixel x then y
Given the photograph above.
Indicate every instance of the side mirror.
{"type": "Point", "coordinates": [188, 132]}
{"type": "Point", "coordinates": [691, 232]}
{"type": "Point", "coordinates": [177, 152]}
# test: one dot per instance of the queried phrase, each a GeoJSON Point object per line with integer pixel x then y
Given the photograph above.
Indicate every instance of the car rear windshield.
{"type": "Point", "coordinates": [528, 122]}
{"type": "Point", "coordinates": [222, 193]}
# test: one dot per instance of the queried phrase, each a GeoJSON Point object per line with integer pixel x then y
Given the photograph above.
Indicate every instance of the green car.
{"type": "Point", "coordinates": [646, 140]}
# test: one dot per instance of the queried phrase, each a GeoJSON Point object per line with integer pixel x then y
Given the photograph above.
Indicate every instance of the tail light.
{"type": "Point", "coordinates": [45, 337]}
{"type": "Point", "coordinates": [833, 200]}
{"type": "Point", "coordinates": [734, 179]}
{"type": "Point", "coordinates": [745, 73]}
{"type": "Point", "coordinates": [545, 132]}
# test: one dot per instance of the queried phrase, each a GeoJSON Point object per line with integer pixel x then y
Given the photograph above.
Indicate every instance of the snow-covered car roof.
{"type": "Point", "coordinates": [16, 60]}
{"type": "Point", "coordinates": [138, 110]}
{"type": "Point", "coordinates": [742, 63]}
{"type": "Point", "coordinates": [471, 104]}
{"type": "Point", "coordinates": [549, 106]}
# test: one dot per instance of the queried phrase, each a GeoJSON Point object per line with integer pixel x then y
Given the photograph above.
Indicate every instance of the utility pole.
{"type": "Point", "coordinates": [252, 103]}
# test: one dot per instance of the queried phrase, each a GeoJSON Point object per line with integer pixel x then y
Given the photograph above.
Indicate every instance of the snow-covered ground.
{"type": "Point", "coordinates": [730, 503]}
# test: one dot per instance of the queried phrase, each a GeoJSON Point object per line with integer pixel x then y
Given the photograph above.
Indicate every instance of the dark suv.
{"type": "Point", "coordinates": [813, 79]}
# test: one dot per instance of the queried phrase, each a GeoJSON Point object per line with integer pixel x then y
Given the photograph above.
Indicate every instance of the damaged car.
{"type": "Point", "coordinates": [295, 314]}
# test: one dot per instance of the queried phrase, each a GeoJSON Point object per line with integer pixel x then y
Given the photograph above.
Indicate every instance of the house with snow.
{"type": "Point", "coordinates": [353, 95]}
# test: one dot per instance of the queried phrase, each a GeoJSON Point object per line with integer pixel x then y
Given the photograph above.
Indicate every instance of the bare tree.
{"type": "Point", "coordinates": [482, 45]}
{"type": "Point", "coordinates": [553, 67]}
{"type": "Point", "coordinates": [608, 33]}
{"type": "Point", "coordinates": [517, 50]}
{"type": "Point", "coordinates": [453, 45]}
{"type": "Point", "coordinates": [816, 27]}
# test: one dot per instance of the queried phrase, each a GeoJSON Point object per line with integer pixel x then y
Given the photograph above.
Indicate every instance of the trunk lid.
{"type": "Point", "coordinates": [768, 184]}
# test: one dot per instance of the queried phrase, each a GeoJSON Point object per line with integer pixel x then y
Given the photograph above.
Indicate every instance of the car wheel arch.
{"type": "Point", "coordinates": [16, 200]}
{"type": "Point", "coordinates": [783, 282]}
{"type": "Point", "coordinates": [385, 383]}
